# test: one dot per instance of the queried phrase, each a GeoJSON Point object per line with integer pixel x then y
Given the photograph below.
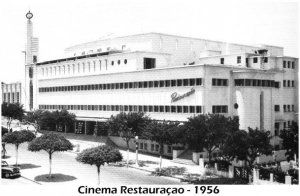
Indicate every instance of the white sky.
{"type": "Point", "coordinates": [60, 23]}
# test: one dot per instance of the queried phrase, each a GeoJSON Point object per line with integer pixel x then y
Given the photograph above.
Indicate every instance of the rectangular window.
{"type": "Point", "coordinates": [288, 108]}
{"type": "Point", "coordinates": [130, 85]}
{"type": "Point", "coordinates": [198, 109]}
{"type": "Point", "coordinates": [149, 63]}
{"type": "Point", "coordinates": [167, 83]}
{"type": "Point", "coordinates": [161, 108]}
{"type": "Point", "coordinates": [239, 59]}
{"type": "Point", "coordinates": [156, 84]}
{"type": "Point", "coordinates": [293, 83]}
{"type": "Point", "coordinates": [288, 83]}
{"type": "Point", "coordinates": [219, 109]}
{"type": "Point", "coordinates": [293, 65]}
{"type": "Point", "coordinates": [198, 81]}
{"type": "Point", "coordinates": [151, 84]}
{"type": "Point", "coordinates": [284, 108]}
{"type": "Point", "coordinates": [284, 64]}
{"type": "Point", "coordinates": [155, 108]}
{"type": "Point", "coordinates": [219, 82]}
{"type": "Point", "coordinates": [173, 82]}
{"type": "Point", "coordinates": [145, 84]}
{"type": "Point", "coordinates": [161, 83]}
{"type": "Point", "coordinates": [255, 60]}
{"type": "Point", "coordinates": [145, 108]}
{"type": "Point", "coordinates": [173, 109]}
{"type": "Point", "coordinates": [185, 109]}
{"type": "Point", "coordinates": [179, 109]}
{"type": "Point", "coordinates": [150, 108]}
{"type": "Point", "coordinates": [167, 108]}
{"type": "Point", "coordinates": [265, 59]}
{"type": "Point", "coordinates": [192, 109]}
{"type": "Point", "coordinates": [284, 83]}
{"type": "Point", "coordinates": [222, 61]}
{"type": "Point", "coordinates": [179, 82]}
{"type": "Point", "coordinates": [276, 108]}
{"type": "Point", "coordinates": [141, 85]}
{"type": "Point", "coordinates": [140, 108]}
{"type": "Point", "coordinates": [293, 108]}
{"type": "Point", "coordinates": [288, 64]}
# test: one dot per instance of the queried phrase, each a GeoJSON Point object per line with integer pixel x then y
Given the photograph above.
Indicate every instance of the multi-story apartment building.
{"type": "Point", "coordinates": [11, 93]}
{"type": "Point", "coordinates": [168, 77]}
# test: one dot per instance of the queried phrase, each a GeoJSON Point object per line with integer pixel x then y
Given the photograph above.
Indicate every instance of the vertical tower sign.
{"type": "Point", "coordinates": [32, 46]}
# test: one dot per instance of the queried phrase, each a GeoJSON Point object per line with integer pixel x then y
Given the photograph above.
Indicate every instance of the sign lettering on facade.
{"type": "Point", "coordinates": [175, 96]}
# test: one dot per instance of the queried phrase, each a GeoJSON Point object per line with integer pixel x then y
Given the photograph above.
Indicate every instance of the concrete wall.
{"type": "Point", "coordinates": [121, 143]}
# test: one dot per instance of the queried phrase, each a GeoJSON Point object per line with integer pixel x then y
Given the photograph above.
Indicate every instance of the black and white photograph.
{"type": "Point", "coordinates": [145, 97]}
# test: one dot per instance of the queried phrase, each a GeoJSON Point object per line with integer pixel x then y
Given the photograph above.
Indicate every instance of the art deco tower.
{"type": "Point", "coordinates": [32, 48]}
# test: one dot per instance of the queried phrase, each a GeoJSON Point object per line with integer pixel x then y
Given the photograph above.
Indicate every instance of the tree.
{"type": "Point", "coordinates": [290, 141]}
{"type": "Point", "coordinates": [50, 142]}
{"type": "Point", "coordinates": [127, 126]}
{"type": "Point", "coordinates": [160, 132]}
{"type": "Point", "coordinates": [63, 118]}
{"type": "Point", "coordinates": [35, 118]}
{"type": "Point", "coordinates": [17, 138]}
{"type": "Point", "coordinates": [208, 132]}
{"type": "Point", "coordinates": [99, 156]}
{"type": "Point", "coordinates": [12, 112]}
{"type": "Point", "coordinates": [247, 146]}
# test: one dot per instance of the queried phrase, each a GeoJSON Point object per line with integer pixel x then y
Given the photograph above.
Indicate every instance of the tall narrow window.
{"type": "Point", "coordinates": [222, 61]}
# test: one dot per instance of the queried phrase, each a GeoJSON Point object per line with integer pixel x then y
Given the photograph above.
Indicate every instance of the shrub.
{"type": "Point", "coordinates": [169, 171]}
{"type": "Point", "coordinates": [3, 131]}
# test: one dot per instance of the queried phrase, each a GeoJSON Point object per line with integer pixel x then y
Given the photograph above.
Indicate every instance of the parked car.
{"type": "Point", "coordinates": [8, 171]}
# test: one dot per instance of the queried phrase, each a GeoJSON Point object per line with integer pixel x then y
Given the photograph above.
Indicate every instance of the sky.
{"type": "Point", "coordinates": [62, 23]}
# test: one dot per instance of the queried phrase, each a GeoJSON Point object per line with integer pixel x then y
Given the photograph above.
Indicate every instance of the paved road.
{"type": "Point", "coordinates": [34, 164]}
{"type": "Point", "coordinates": [16, 181]}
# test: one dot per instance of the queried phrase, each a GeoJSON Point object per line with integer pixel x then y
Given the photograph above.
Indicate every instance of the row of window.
{"type": "Point", "coordinates": [289, 64]}
{"type": "Point", "coordinates": [219, 82]}
{"type": "Point", "coordinates": [286, 108]}
{"type": "Point", "coordinates": [126, 85]}
{"type": "Point", "coordinates": [219, 109]}
{"type": "Point", "coordinates": [239, 60]}
{"type": "Point", "coordinates": [288, 83]}
{"type": "Point", "coordinates": [286, 125]}
{"type": "Point", "coordinates": [11, 97]}
{"type": "Point", "coordinates": [254, 82]}
{"type": "Point", "coordinates": [128, 108]}
{"type": "Point", "coordinates": [154, 147]}
{"type": "Point", "coordinates": [80, 67]}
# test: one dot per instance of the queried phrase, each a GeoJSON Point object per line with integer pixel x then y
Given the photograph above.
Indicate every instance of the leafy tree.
{"type": "Point", "coordinates": [127, 126]}
{"type": "Point", "coordinates": [17, 138]}
{"type": "Point", "coordinates": [35, 118]}
{"type": "Point", "coordinates": [50, 142]}
{"type": "Point", "coordinates": [247, 146]}
{"type": "Point", "coordinates": [209, 132]}
{"type": "Point", "coordinates": [99, 156]}
{"type": "Point", "coordinates": [160, 132]}
{"type": "Point", "coordinates": [12, 112]}
{"type": "Point", "coordinates": [290, 141]}
{"type": "Point", "coordinates": [63, 118]}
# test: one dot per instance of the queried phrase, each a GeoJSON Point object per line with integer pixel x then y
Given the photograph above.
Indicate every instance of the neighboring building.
{"type": "Point", "coordinates": [168, 77]}
{"type": "Point", "coordinates": [11, 93]}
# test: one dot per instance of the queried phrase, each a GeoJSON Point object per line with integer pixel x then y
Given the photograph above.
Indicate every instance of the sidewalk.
{"type": "Point", "coordinates": [149, 163]}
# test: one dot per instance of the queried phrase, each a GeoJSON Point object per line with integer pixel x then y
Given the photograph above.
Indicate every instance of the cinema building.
{"type": "Point", "coordinates": [168, 77]}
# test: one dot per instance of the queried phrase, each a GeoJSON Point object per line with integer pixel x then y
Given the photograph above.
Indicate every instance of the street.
{"type": "Point", "coordinates": [35, 164]}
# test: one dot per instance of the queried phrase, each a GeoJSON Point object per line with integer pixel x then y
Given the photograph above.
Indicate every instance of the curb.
{"type": "Point", "coordinates": [31, 180]}
{"type": "Point", "coordinates": [157, 176]}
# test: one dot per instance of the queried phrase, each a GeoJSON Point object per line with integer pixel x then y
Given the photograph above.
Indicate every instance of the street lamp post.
{"type": "Point", "coordinates": [136, 149]}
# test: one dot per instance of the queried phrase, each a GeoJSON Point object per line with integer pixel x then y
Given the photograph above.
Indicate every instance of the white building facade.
{"type": "Point", "coordinates": [169, 78]}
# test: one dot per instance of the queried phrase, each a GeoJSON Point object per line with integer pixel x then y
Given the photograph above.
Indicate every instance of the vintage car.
{"type": "Point", "coordinates": [9, 171]}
